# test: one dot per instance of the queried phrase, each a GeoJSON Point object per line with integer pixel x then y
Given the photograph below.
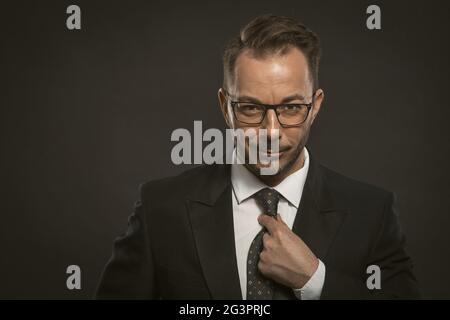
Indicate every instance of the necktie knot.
{"type": "Point", "coordinates": [268, 200]}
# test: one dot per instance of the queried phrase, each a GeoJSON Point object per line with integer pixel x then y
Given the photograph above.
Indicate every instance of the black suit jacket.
{"type": "Point", "coordinates": [180, 239]}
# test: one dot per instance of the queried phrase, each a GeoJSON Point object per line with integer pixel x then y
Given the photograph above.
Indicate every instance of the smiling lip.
{"type": "Point", "coordinates": [279, 153]}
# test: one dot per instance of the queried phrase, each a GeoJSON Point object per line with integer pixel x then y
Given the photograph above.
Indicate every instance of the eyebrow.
{"type": "Point", "coordinates": [287, 99]}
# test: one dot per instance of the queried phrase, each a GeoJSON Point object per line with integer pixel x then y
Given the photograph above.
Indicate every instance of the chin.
{"type": "Point", "coordinates": [256, 168]}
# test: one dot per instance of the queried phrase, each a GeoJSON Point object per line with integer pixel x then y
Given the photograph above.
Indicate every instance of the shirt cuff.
{"type": "Point", "coordinates": [313, 288]}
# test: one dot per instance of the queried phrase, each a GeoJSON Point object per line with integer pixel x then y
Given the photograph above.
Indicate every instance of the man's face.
{"type": "Point", "coordinates": [274, 79]}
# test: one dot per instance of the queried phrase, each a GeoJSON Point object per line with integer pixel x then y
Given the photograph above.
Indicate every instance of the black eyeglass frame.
{"type": "Point", "coordinates": [272, 107]}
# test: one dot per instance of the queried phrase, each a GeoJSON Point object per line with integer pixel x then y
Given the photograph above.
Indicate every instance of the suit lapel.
{"type": "Point", "coordinates": [210, 209]}
{"type": "Point", "coordinates": [211, 217]}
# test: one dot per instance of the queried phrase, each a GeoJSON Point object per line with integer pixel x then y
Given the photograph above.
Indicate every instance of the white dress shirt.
{"type": "Point", "coordinates": [246, 226]}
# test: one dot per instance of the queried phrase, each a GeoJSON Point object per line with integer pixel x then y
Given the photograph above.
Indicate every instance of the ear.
{"type": "Point", "coordinates": [319, 96]}
{"type": "Point", "coordinates": [224, 107]}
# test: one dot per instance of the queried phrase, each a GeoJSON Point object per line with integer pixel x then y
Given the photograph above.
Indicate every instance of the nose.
{"type": "Point", "coordinates": [272, 124]}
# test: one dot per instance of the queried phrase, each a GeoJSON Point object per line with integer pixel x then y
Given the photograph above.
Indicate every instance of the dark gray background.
{"type": "Point", "coordinates": [86, 116]}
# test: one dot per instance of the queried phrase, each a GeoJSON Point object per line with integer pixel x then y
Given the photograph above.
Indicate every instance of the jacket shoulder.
{"type": "Point", "coordinates": [353, 189]}
{"type": "Point", "coordinates": [181, 184]}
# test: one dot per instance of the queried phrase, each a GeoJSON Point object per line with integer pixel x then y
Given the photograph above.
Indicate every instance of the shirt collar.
{"type": "Point", "coordinates": [245, 183]}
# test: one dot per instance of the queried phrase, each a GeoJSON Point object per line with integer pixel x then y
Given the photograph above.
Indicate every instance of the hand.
{"type": "Point", "coordinates": [285, 258]}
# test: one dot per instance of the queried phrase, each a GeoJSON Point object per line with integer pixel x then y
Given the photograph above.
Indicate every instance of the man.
{"type": "Point", "coordinates": [229, 232]}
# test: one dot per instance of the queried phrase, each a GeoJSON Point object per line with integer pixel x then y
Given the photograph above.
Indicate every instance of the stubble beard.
{"type": "Point", "coordinates": [284, 170]}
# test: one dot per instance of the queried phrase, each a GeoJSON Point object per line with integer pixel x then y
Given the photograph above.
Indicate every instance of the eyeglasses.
{"type": "Point", "coordinates": [288, 114]}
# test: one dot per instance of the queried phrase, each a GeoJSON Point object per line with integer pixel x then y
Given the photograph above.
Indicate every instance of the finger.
{"type": "Point", "coordinates": [263, 256]}
{"type": "Point", "coordinates": [261, 267]}
{"type": "Point", "coordinates": [270, 223]}
{"type": "Point", "coordinates": [279, 219]}
{"type": "Point", "coordinates": [266, 238]}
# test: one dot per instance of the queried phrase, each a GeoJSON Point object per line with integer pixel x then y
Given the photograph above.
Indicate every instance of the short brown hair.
{"type": "Point", "coordinates": [270, 34]}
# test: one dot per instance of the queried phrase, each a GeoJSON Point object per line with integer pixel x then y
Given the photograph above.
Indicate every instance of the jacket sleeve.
{"type": "Point", "coordinates": [129, 274]}
{"type": "Point", "coordinates": [388, 253]}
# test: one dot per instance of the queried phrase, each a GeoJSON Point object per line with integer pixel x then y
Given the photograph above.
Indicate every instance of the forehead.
{"type": "Point", "coordinates": [271, 74]}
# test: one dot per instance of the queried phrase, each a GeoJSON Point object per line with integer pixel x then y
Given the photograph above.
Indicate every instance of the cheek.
{"type": "Point", "coordinates": [293, 136]}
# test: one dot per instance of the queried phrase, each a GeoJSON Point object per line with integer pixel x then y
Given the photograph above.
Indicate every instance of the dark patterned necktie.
{"type": "Point", "coordinates": [258, 286]}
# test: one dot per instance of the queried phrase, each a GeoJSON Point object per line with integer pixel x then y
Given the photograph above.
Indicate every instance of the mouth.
{"type": "Point", "coordinates": [272, 153]}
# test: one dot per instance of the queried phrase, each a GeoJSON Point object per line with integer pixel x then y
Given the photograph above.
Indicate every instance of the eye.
{"type": "Point", "coordinates": [249, 108]}
{"type": "Point", "coordinates": [290, 107]}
